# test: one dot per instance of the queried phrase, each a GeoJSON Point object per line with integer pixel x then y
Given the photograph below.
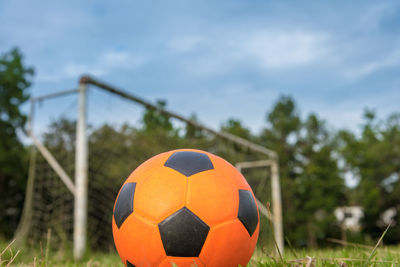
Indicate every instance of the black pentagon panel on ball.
{"type": "Point", "coordinates": [124, 205]}
{"type": "Point", "coordinates": [189, 162]}
{"type": "Point", "coordinates": [128, 264]}
{"type": "Point", "coordinates": [183, 234]}
{"type": "Point", "coordinates": [248, 211]}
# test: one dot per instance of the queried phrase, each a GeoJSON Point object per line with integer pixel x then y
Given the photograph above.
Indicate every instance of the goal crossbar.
{"type": "Point", "coordinates": [227, 136]}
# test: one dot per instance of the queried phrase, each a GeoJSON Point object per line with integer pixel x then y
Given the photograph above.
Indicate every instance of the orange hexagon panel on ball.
{"type": "Point", "coordinates": [186, 207]}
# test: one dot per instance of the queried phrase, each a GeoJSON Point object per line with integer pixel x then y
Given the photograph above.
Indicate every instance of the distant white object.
{"type": "Point", "coordinates": [349, 217]}
{"type": "Point", "coordinates": [387, 217]}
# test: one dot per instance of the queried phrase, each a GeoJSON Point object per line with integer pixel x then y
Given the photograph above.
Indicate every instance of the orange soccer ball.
{"type": "Point", "coordinates": [185, 207]}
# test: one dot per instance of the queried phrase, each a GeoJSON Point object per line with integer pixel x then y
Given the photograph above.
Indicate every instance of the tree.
{"type": "Point", "coordinates": [192, 132]}
{"type": "Point", "coordinates": [154, 120]}
{"type": "Point", "coordinates": [284, 121]}
{"type": "Point", "coordinates": [235, 127]}
{"type": "Point", "coordinates": [320, 186]}
{"type": "Point", "coordinates": [15, 80]}
{"type": "Point", "coordinates": [310, 177]}
{"type": "Point", "coordinates": [374, 156]}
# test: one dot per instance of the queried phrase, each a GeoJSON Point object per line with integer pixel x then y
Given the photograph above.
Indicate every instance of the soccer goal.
{"type": "Point", "coordinates": [74, 175]}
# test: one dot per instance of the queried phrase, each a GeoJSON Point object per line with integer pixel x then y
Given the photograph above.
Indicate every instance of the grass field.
{"type": "Point", "coordinates": [354, 255]}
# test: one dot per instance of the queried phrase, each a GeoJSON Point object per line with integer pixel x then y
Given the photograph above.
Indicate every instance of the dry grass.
{"type": "Point", "coordinates": [11, 257]}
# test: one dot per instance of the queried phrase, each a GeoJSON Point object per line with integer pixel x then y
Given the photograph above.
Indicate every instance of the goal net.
{"type": "Point", "coordinates": [121, 135]}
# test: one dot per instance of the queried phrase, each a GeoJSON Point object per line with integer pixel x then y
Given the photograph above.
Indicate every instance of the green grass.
{"type": "Point", "coordinates": [42, 256]}
{"type": "Point", "coordinates": [355, 255]}
{"type": "Point", "coordinates": [342, 256]}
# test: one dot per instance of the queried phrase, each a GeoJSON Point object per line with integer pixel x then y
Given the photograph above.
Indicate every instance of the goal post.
{"type": "Point", "coordinates": [81, 176]}
{"type": "Point", "coordinates": [79, 188]}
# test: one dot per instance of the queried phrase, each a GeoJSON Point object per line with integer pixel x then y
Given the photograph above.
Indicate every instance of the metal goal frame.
{"type": "Point", "coordinates": [79, 186]}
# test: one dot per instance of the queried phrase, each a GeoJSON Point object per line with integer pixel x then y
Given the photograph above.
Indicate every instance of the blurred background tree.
{"type": "Point", "coordinates": [15, 79]}
{"type": "Point", "coordinates": [310, 178]}
{"type": "Point", "coordinates": [374, 157]}
{"type": "Point", "coordinates": [319, 186]}
{"type": "Point", "coordinates": [153, 120]}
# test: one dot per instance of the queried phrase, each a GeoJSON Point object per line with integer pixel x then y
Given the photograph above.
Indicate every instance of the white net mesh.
{"type": "Point", "coordinates": [118, 143]}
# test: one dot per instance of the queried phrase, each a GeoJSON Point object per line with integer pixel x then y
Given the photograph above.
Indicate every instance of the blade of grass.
{"type": "Point", "coordinates": [346, 243]}
{"type": "Point", "coordinates": [9, 245]}
{"type": "Point", "coordinates": [46, 257]}
{"type": "Point", "coordinates": [377, 244]}
{"type": "Point", "coordinates": [291, 247]}
{"type": "Point", "coordinates": [12, 259]}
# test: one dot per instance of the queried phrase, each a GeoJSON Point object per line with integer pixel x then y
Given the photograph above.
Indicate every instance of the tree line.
{"type": "Point", "coordinates": [314, 159]}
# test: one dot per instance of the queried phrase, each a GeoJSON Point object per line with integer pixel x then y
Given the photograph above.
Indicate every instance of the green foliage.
{"type": "Point", "coordinates": [235, 127]}
{"type": "Point", "coordinates": [310, 178]}
{"type": "Point", "coordinates": [374, 157]}
{"type": "Point", "coordinates": [153, 120]}
{"type": "Point", "coordinates": [192, 133]}
{"type": "Point", "coordinates": [14, 83]}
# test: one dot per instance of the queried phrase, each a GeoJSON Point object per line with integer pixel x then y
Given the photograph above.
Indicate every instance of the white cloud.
{"type": "Point", "coordinates": [348, 112]}
{"type": "Point", "coordinates": [119, 60]}
{"type": "Point", "coordinates": [75, 69]}
{"type": "Point", "coordinates": [284, 49]}
{"type": "Point", "coordinates": [106, 63]}
{"type": "Point", "coordinates": [277, 49]}
{"type": "Point", "coordinates": [266, 49]}
{"type": "Point", "coordinates": [364, 69]}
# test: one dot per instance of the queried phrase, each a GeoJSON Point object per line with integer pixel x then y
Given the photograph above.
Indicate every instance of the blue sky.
{"type": "Point", "coordinates": [218, 59]}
